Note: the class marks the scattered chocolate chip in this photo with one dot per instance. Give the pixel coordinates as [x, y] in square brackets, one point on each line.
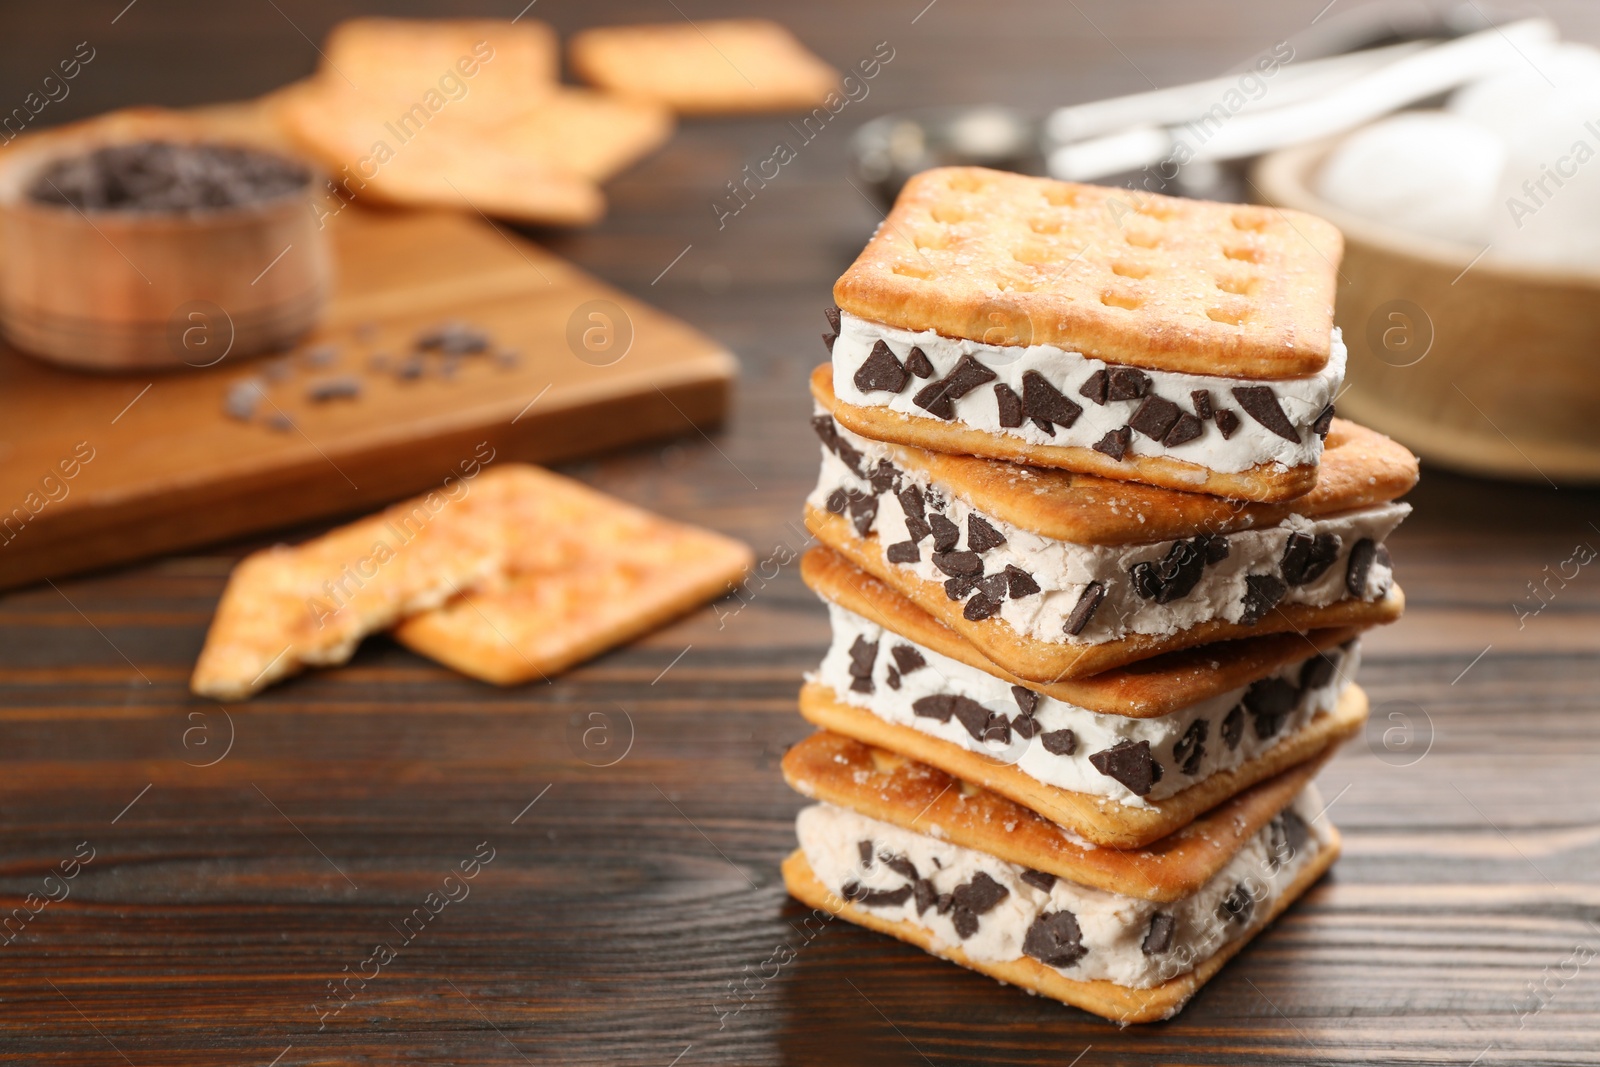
[946, 534]
[1214, 547]
[1019, 583]
[864, 849]
[980, 607]
[938, 398]
[861, 685]
[1233, 727]
[837, 501]
[827, 431]
[883, 476]
[958, 564]
[863, 654]
[1115, 443]
[1158, 938]
[1186, 429]
[958, 588]
[1027, 700]
[1201, 399]
[1155, 417]
[1227, 423]
[1130, 763]
[1088, 601]
[978, 896]
[903, 552]
[976, 718]
[1317, 671]
[1307, 558]
[981, 536]
[942, 903]
[1009, 405]
[1269, 701]
[939, 706]
[1293, 832]
[1054, 939]
[1238, 905]
[911, 505]
[151, 176]
[993, 586]
[925, 894]
[1173, 577]
[1059, 742]
[1262, 593]
[902, 866]
[453, 337]
[881, 372]
[410, 369]
[1323, 422]
[1024, 726]
[1041, 400]
[343, 387]
[917, 363]
[1095, 387]
[1355, 576]
[831, 313]
[827, 341]
[1261, 404]
[876, 898]
[1038, 879]
[863, 510]
[907, 658]
[892, 676]
[241, 399]
[1190, 749]
[1127, 384]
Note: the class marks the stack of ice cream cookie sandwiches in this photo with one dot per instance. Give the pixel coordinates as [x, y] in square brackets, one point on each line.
[1097, 555]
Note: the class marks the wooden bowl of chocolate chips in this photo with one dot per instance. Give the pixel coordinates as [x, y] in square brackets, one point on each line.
[128, 247]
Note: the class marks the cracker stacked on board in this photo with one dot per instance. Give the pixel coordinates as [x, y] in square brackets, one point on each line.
[1097, 556]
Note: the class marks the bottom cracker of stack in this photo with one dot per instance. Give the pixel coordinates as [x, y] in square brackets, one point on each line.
[1131, 935]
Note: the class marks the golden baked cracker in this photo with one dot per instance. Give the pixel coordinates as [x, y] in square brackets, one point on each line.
[1156, 686]
[711, 66]
[1093, 817]
[593, 135]
[1265, 482]
[1359, 468]
[1049, 661]
[475, 64]
[311, 604]
[886, 786]
[460, 165]
[1120, 1004]
[584, 572]
[1125, 276]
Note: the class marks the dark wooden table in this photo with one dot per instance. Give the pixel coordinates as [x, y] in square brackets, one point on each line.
[246, 859]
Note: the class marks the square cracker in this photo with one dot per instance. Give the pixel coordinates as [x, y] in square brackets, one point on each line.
[1120, 1004]
[1051, 661]
[583, 572]
[1159, 685]
[1360, 467]
[1128, 277]
[399, 60]
[712, 66]
[593, 135]
[891, 788]
[1095, 818]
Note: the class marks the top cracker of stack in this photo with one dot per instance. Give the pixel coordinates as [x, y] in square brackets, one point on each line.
[1133, 336]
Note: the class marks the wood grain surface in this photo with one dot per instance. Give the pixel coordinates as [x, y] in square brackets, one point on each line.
[633, 913]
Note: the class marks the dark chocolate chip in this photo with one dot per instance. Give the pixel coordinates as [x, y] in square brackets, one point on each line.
[861, 685]
[1127, 384]
[1046, 426]
[938, 398]
[863, 510]
[903, 552]
[907, 658]
[993, 586]
[827, 430]
[876, 898]
[1027, 700]
[1261, 404]
[892, 676]
[1323, 422]
[1019, 583]
[864, 849]
[827, 341]
[1115, 443]
[1201, 399]
[1214, 547]
[946, 534]
[1041, 400]
[881, 372]
[1269, 702]
[1262, 593]
[1088, 601]
[1317, 671]
[1293, 832]
[1146, 579]
[1060, 742]
[981, 536]
[1227, 423]
[1130, 763]
[1038, 879]
[1174, 576]
[965, 922]
[959, 564]
[1356, 571]
[1054, 939]
[1186, 429]
[831, 313]
[941, 903]
[972, 715]
[980, 895]
[1155, 417]
[925, 894]
[917, 363]
[980, 607]
[939, 706]
[1158, 938]
[1190, 749]
[902, 866]
[838, 500]
[911, 504]
[343, 387]
[1307, 558]
[1024, 726]
[1238, 905]
[1095, 387]
[883, 476]
[958, 588]
[863, 654]
[1233, 727]
[1009, 404]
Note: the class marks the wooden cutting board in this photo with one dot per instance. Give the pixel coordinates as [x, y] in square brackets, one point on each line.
[156, 464]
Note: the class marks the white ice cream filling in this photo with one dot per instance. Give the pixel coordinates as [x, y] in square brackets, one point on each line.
[1059, 743]
[1253, 443]
[996, 911]
[1249, 581]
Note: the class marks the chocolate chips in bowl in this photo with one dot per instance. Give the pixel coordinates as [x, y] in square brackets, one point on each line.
[146, 245]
